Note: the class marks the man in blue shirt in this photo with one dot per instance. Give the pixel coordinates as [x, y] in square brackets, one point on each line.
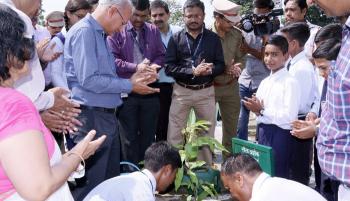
[92, 78]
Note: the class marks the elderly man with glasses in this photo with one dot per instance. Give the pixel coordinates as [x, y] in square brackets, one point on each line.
[92, 79]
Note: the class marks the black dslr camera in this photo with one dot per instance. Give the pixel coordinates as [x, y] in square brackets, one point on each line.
[261, 24]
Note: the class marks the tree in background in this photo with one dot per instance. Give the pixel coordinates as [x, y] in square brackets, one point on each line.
[176, 13]
[314, 15]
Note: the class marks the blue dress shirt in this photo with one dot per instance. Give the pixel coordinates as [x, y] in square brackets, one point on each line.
[89, 65]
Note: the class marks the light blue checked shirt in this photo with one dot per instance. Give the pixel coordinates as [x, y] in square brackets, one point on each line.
[333, 142]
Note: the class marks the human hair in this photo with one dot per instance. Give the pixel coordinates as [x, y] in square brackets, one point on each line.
[329, 31]
[194, 3]
[301, 3]
[15, 48]
[299, 31]
[328, 49]
[160, 154]
[160, 4]
[241, 162]
[278, 41]
[140, 5]
[92, 2]
[73, 6]
[264, 4]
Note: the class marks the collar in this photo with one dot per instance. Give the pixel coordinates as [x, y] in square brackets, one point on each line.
[186, 31]
[277, 75]
[298, 57]
[94, 23]
[347, 23]
[259, 182]
[151, 179]
[130, 27]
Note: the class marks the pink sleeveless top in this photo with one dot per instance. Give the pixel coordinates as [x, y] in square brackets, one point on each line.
[18, 114]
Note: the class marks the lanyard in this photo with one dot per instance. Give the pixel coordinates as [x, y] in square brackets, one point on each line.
[193, 56]
[134, 36]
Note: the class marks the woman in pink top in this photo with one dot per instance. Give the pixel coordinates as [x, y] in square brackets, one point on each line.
[31, 164]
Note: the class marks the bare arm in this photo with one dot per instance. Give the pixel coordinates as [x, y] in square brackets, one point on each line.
[25, 160]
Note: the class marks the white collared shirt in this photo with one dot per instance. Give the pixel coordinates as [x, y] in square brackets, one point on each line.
[280, 94]
[266, 188]
[304, 72]
[135, 186]
[33, 84]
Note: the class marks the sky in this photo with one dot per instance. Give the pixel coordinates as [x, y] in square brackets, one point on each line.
[58, 5]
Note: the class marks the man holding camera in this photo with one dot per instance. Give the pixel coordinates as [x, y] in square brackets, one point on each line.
[226, 85]
[255, 70]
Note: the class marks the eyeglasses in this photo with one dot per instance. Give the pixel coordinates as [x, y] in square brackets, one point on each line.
[123, 21]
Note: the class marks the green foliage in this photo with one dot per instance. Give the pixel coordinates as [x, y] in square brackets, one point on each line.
[189, 153]
[247, 6]
[176, 12]
[316, 16]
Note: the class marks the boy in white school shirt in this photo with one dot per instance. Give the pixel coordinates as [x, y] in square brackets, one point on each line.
[161, 164]
[276, 105]
[304, 72]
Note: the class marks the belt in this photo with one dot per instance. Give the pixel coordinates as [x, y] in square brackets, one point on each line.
[216, 84]
[100, 109]
[195, 87]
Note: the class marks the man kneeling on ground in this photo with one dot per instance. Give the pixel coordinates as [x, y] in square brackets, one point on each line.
[242, 175]
[161, 164]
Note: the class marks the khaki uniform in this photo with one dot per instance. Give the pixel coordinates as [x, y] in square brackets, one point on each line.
[226, 87]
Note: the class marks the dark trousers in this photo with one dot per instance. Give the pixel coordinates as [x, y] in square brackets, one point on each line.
[301, 160]
[317, 168]
[281, 142]
[166, 91]
[329, 188]
[138, 117]
[243, 120]
[104, 164]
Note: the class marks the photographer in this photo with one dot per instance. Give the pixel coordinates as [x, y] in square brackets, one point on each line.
[255, 70]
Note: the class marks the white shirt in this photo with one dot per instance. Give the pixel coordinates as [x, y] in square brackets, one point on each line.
[163, 78]
[33, 84]
[304, 72]
[54, 71]
[280, 94]
[268, 188]
[309, 45]
[41, 33]
[135, 186]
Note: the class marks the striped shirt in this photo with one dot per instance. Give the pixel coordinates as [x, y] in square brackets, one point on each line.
[333, 142]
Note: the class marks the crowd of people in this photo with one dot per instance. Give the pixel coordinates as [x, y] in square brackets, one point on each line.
[120, 82]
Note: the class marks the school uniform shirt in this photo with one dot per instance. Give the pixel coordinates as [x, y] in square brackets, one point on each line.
[276, 189]
[304, 72]
[135, 186]
[280, 94]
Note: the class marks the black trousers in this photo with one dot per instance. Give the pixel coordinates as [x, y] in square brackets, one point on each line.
[104, 164]
[166, 91]
[301, 159]
[281, 142]
[329, 188]
[138, 117]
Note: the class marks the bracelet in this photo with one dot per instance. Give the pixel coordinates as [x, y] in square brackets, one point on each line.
[82, 160]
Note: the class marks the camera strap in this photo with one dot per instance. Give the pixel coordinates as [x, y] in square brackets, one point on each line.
[194, 55]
